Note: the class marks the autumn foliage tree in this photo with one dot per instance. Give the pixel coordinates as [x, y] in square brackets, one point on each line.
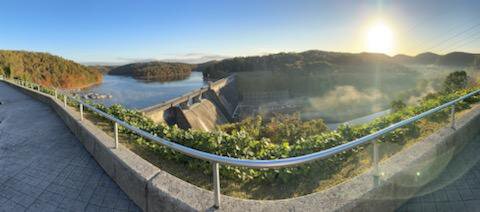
[46, 69]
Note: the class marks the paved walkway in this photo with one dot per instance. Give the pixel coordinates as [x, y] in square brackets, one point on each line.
[456, 189]
[43, 167]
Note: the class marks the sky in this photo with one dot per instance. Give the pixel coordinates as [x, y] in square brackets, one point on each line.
[124, 31]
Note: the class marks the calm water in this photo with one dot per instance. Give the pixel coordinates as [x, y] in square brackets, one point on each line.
[133, 93]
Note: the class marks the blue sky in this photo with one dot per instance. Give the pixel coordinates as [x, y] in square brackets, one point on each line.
[121, 31]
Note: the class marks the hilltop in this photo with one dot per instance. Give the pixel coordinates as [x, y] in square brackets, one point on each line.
[455, 59]
[158, 71]
[316, 61]
[313, 62]
[47, 70]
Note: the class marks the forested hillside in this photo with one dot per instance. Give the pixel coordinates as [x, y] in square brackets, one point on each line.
[104, 69]
[457, 59]
[315, 61]
[46, 69]
[158, 71]
[310, 62]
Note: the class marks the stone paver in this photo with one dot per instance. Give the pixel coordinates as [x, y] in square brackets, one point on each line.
[43, 167]
[457, 188]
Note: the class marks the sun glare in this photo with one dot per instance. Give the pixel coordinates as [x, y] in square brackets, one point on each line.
[379, 39]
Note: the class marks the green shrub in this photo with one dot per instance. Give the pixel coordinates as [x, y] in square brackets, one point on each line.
[455, 81]
[397, 105]
[279, 129]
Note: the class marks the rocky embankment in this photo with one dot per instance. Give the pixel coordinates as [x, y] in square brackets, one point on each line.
[93, 95]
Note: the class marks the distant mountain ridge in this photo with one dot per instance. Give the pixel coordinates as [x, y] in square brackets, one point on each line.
[313, 62]
[46, 69]
[458, 59]
[316, 61]
[155, 70]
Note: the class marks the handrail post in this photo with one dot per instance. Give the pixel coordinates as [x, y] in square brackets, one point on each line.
[65, 101]
[452, 116]
[56, 94]
[81, 112]
[115, 129]
[376, 173]
[216, 185]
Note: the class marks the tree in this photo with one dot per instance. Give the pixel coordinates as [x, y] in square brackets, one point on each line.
[397, 105]
[455, 81]
[5, 71]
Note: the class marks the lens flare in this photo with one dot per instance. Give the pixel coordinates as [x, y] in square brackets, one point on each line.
[380, 39]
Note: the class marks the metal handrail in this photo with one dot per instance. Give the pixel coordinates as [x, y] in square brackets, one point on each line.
[276, 163]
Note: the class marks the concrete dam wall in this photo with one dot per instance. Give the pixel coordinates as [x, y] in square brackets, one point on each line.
[201, 109]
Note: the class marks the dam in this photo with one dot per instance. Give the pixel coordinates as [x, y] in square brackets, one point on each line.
[221, 102]
[201, 109]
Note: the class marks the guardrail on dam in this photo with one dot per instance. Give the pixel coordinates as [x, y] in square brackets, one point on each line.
[203, 108]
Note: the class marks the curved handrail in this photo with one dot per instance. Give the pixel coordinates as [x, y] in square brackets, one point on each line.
[275, 163]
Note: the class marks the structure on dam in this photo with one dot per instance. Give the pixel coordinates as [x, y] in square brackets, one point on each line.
[202, 109]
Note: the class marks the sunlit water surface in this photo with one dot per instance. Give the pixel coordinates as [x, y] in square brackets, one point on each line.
[137, 94]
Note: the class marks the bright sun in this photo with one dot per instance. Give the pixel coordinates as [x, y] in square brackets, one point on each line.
[380, 39]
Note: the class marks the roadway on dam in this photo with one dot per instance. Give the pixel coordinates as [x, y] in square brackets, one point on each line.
[43, 166]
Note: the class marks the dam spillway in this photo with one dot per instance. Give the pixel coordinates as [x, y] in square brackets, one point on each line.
[201, 109]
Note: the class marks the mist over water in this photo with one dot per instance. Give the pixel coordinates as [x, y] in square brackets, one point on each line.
[342, 97]
[345, 102]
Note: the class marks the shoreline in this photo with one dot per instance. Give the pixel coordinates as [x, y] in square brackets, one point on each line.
[85, 86]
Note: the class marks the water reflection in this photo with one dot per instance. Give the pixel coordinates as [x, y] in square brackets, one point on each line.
[137, 94]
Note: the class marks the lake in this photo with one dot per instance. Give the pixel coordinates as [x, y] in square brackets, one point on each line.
[137, 94]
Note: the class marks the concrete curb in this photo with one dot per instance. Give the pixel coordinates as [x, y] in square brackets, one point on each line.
[155, 190]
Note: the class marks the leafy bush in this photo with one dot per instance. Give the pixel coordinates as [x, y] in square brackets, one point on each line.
[279, 129]
[397, 105]
[455, 81]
